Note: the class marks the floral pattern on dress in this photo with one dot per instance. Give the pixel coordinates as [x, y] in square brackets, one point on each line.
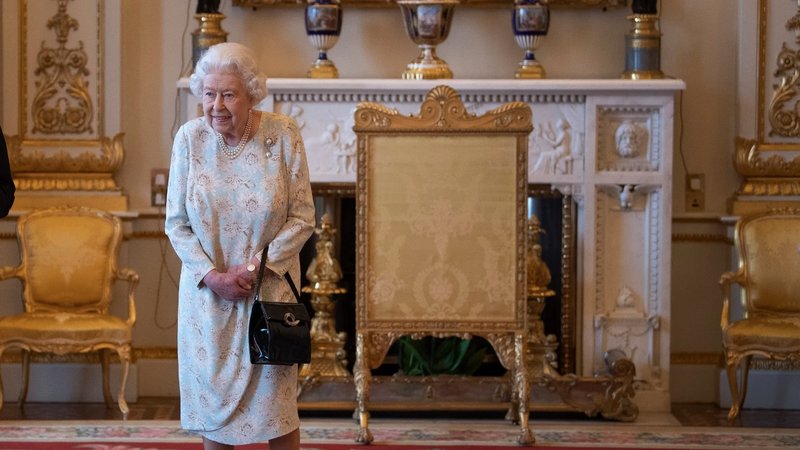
[221, 212]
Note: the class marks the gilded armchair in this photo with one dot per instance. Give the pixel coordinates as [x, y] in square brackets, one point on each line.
[769, 261]
[68, 268]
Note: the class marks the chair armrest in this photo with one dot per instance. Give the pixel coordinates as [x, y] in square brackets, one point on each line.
[132, 278]
[725, 282]
[7, 272]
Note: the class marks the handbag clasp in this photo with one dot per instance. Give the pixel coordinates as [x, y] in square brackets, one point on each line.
[290, 319]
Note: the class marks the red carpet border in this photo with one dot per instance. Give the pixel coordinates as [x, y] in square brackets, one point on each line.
[406, 435]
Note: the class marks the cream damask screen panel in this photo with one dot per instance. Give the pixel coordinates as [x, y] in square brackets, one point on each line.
[443, 210]
[440, 233]
[441, 217]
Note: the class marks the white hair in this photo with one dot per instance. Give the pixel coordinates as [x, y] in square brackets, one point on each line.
[233, 58]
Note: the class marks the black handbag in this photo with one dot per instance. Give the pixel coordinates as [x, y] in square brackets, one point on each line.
[278, 332]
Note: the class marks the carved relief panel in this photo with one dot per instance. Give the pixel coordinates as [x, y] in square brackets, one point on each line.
[61, 143]
[629, 139]
[555, 147]
[767, 149]
[628, 293]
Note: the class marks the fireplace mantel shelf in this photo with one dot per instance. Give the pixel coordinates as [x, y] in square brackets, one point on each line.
[487, 84]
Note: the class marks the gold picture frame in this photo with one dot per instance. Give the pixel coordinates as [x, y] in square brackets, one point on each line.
[441, 233]
[470, 3]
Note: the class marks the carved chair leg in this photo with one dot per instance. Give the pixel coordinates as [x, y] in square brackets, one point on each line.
[361, 375]
[125, 366]
[731, 369]
[26, 367]
[745, 368]
[523, 390]
[512, 414]
[104, 362]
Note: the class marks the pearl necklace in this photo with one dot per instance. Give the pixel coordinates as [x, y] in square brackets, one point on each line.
[232, 153]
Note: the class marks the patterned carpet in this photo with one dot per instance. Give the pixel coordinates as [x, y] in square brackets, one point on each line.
[339, 434]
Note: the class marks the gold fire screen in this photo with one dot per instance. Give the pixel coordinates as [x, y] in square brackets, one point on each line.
[440, 233]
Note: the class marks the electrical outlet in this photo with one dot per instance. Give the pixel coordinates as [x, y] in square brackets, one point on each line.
[158, 187]
[695, 192]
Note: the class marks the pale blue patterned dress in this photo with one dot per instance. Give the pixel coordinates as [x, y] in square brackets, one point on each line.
[221, 212]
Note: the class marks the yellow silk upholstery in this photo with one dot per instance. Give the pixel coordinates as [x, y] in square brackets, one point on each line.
[769, 261]
[68, 268]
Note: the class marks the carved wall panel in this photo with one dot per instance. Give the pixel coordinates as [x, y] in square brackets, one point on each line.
[767, 149]
[629, 139]
[63, 142]
[627, 308]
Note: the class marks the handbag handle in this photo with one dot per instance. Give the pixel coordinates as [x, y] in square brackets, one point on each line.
[286, 275]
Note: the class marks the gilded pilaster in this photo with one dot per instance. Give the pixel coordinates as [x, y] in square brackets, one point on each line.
[60, 153]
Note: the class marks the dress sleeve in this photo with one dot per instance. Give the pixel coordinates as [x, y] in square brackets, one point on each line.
[299, 225]
[178, 226]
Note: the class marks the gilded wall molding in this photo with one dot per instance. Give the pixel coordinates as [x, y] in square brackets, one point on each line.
[71, 156]
[762, 61]
[718, 359]
[783, 113]
[67, 74]
[754, 159]
[698, 359]
[62, 102]
[771, 168]
[61, 152]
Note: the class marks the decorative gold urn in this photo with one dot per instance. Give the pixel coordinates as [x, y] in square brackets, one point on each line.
[427, 24]
[643, 48]
[210, 33]
[327, 346]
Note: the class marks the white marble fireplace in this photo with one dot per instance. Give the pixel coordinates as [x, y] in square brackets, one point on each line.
[607, 144]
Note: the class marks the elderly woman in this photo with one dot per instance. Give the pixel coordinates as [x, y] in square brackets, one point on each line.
[238, 180]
